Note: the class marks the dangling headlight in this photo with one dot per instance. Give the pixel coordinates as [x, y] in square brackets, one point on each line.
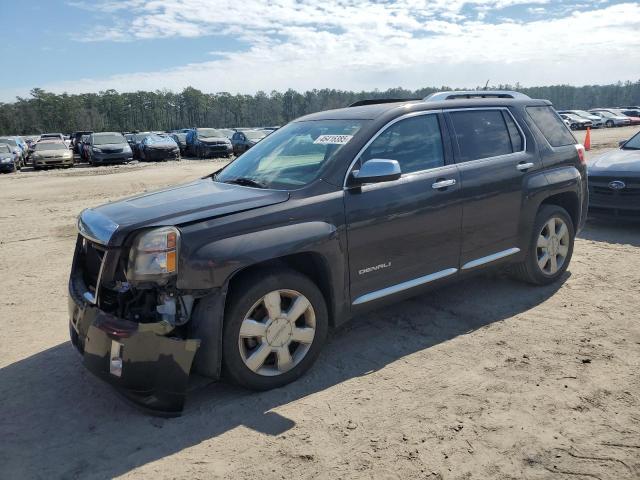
[154, 255]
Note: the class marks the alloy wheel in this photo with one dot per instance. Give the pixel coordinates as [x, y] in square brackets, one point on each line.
[277, 332]
[553, 245]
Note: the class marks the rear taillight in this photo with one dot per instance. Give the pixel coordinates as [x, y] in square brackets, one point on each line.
[581, 157]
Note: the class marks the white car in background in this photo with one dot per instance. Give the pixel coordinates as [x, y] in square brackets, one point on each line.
[611, 119]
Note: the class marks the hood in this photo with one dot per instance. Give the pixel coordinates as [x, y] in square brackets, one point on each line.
[196, 201]
[622, 163]
[111, 146]
[163, 145]
[213, 139]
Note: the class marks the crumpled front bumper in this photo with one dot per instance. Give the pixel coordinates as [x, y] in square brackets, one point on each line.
[149, 369]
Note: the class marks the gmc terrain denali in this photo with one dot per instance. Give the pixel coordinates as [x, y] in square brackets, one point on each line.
[243, 272]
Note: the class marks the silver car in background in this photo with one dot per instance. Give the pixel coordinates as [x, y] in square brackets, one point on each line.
[596, 121]
[610, 118]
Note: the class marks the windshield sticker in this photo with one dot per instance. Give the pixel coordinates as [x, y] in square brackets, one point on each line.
[333, 139]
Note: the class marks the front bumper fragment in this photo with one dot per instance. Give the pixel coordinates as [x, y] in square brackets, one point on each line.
[148, 369]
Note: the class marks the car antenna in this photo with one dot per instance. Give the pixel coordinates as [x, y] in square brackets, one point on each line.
[486, 85]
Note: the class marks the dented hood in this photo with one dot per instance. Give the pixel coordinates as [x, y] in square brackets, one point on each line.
[200, 200]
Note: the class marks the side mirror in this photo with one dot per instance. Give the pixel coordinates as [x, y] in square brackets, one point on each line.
[621, 143]
[376, 170]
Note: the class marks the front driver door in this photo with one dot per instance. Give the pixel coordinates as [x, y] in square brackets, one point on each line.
[406, 232]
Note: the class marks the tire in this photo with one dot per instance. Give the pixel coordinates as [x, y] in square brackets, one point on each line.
[530, 270]
[609, 123]
[573, 126]
[274, 333]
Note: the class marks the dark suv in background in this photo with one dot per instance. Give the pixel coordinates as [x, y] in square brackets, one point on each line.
[108, 147]
[339, 212]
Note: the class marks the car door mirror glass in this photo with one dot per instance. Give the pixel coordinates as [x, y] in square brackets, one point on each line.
[376, 170]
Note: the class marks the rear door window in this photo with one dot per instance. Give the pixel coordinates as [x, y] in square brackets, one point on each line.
[481, 134]
[551, 126]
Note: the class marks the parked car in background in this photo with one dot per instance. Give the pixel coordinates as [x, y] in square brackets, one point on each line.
[17, 148]
[596, 121]
[244, 140]
[9, 160]
[576, 122]
[614, 182]
[181, 139]
[137, 142]
[208, 142]
[108, 147]
[52, 136]
[335, 214]
[76, 139]
[159, 147]
[631, 112]
[611, 119]
[228, 132]
[634, 120]
[52, 153]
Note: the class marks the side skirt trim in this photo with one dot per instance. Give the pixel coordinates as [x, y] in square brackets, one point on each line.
[490, 258]
[404, 286]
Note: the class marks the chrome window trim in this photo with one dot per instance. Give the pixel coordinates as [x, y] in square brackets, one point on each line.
[490, 258]
[506, 109]
[381, 130]
[399, 287]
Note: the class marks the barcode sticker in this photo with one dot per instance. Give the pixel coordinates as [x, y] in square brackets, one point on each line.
[333, 139]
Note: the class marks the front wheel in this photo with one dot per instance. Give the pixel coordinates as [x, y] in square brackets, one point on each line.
[609, 123]
[274, 329]
[550, 247]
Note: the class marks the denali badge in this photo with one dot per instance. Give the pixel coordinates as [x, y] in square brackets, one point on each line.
[617, 185]
[373, 269]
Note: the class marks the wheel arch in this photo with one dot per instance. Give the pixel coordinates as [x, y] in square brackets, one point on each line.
[311, 264]
[567, 200]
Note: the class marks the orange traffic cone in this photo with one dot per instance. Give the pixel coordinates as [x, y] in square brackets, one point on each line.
[587, 140]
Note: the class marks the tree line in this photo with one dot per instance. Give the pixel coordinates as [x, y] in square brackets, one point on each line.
[110, 110]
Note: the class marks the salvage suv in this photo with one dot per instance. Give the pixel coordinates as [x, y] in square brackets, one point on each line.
[244, 271]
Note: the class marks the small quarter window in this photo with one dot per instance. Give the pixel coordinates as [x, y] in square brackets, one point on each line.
[415, 142]
[480, 134]
[551, 126]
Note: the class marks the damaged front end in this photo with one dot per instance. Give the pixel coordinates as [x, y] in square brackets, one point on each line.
[128, 319]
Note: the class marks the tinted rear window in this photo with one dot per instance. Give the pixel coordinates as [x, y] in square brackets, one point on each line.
[551, 126]
[481, 134]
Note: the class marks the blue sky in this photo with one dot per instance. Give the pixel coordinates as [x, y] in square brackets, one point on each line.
[242, 47]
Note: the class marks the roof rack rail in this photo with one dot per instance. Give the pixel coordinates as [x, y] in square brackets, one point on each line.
[375, 101]
[459, 94]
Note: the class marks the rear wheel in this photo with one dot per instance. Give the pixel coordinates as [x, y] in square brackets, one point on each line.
[550, 247]
[274, 329]
[609, 123]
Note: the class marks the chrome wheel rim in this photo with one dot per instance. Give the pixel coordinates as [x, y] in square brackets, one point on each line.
[553, 246]
[277, 332]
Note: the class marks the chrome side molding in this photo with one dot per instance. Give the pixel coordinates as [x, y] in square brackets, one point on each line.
[490, 258]
[404, 286]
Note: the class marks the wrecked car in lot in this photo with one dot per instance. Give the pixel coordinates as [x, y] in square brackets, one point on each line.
[245, 270]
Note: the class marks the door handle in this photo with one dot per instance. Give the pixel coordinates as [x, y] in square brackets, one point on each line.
[443, 184]
[524, 166]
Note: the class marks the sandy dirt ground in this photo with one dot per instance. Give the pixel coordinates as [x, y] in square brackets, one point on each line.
[487, 379]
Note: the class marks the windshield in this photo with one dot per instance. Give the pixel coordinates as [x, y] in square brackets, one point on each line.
[140, 136]
[51, 146]
[293, 156]
[254, 135]
[4, 148]
[104, 139]
[582, 113]
[209, 132]
[633, 143]
[9, 141]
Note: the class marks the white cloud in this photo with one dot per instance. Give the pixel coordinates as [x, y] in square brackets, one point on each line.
[359, 45]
